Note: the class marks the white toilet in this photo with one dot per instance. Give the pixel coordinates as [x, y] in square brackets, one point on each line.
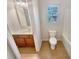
[52, 39]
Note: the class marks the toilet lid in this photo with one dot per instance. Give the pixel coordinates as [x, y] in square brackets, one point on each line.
[53, 40]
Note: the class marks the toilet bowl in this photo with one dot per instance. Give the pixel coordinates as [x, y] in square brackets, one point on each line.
[52, 39]
[53, 42]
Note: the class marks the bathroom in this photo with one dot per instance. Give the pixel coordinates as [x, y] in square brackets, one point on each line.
[29, 27]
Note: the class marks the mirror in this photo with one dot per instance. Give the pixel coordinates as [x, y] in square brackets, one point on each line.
[19, 20]
[23, 14]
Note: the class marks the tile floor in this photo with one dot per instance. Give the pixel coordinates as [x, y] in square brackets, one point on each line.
[45, 52]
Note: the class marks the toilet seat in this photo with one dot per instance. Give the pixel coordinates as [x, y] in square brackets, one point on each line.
[53, 40]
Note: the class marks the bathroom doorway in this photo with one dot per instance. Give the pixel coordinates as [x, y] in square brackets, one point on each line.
[20, 26]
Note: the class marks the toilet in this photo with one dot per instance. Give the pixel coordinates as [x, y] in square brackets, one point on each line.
[52, 39]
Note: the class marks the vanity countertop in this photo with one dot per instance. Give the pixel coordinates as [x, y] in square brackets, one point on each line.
[23, 32]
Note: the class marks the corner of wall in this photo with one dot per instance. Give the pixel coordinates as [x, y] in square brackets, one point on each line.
[67, 44]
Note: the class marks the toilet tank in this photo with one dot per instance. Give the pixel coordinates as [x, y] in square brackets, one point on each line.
[52, 33]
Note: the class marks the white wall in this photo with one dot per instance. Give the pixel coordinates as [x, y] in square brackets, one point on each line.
[12, 19]
[37, 25]
[43, 10]
[67, 32]
[67, 25]
[10, 54]
[12, 44]
[35, 22]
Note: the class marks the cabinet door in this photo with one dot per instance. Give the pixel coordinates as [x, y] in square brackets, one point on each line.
[20, 41]
[30, 41]
[24, 40]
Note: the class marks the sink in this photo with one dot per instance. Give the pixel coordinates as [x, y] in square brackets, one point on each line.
[23, 31]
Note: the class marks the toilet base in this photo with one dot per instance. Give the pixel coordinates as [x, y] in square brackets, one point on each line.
[52, 47]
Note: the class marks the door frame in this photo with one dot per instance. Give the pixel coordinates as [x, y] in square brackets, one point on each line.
[12, 44]
[36, 32]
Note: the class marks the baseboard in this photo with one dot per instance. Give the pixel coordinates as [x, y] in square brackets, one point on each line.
[45, 39]
[67, 44]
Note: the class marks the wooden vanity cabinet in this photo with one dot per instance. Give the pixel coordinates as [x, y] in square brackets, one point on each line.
[24, 40]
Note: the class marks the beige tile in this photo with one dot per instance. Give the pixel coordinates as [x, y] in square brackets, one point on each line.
[45, 52]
